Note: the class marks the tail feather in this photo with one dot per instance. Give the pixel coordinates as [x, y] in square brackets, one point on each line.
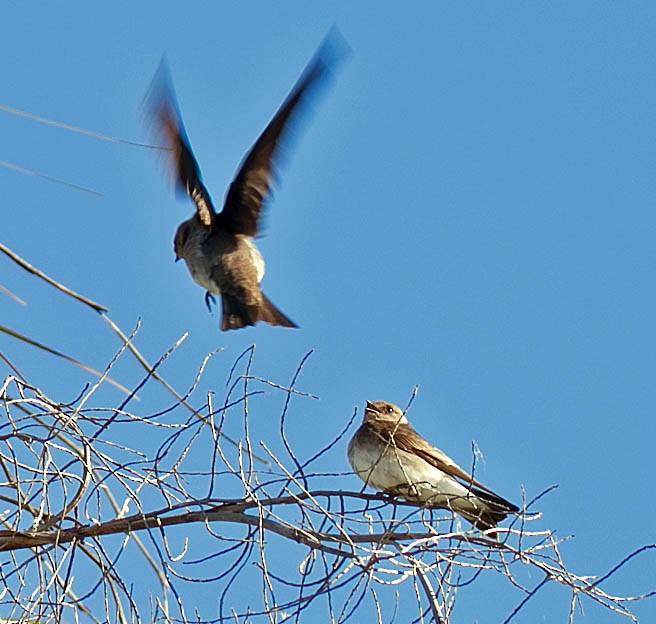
[270, 314]
[238, 314]
[495, 502]
[483, 518]
[484, 510]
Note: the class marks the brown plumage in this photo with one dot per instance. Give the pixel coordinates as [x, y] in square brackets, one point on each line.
[218, 248]
[388, 454]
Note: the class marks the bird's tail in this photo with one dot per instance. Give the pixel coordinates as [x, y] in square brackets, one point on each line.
[270, 314]
[484, 510]
[237, 314]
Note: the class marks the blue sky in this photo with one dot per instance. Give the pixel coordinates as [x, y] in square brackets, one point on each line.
[469, 208]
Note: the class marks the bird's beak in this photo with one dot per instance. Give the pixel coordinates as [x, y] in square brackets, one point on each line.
[370, 407]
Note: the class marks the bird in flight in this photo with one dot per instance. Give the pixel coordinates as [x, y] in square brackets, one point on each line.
[390, 456]
[218, 248]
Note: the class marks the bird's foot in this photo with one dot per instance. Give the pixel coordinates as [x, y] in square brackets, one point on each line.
[209, 300]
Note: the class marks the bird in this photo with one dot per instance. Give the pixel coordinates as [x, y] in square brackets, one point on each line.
[390, 456]
[218, 248]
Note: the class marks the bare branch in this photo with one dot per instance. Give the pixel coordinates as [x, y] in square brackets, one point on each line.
[99, 499]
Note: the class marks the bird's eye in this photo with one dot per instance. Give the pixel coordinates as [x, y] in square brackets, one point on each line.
[390, 410]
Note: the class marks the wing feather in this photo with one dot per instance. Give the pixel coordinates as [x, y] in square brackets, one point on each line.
[405, 438]
[163, 108]
[251, 187]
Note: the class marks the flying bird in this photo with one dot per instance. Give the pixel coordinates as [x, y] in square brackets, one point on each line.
[390, 456]
[218, 248]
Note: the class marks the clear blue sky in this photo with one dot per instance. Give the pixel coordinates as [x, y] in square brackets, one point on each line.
[471, 208]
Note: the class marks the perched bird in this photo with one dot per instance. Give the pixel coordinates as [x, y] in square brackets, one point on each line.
[218, 248]
[389, 455]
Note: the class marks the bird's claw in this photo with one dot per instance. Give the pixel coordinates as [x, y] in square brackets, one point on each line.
[209, 300]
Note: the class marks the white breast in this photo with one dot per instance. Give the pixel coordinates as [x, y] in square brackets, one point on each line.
[402, 473]
[208, 253]
[199, 265]
[256, 256]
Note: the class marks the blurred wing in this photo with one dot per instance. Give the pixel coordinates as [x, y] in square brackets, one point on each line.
[252, 186]
[163, 109]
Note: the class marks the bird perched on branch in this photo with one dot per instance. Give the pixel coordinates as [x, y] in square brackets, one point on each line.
[218, 248]
[389, 455]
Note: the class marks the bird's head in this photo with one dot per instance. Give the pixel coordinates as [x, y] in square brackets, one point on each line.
[382, 410]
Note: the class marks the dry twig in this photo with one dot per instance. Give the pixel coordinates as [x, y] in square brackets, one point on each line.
[76, 504]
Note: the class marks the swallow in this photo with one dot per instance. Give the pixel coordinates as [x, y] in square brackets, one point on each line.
[390, 456]
[218, 248]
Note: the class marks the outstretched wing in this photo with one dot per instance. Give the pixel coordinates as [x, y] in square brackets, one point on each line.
[163, 108]
[252, 185]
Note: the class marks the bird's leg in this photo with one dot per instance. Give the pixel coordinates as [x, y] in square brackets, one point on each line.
[209, 300]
